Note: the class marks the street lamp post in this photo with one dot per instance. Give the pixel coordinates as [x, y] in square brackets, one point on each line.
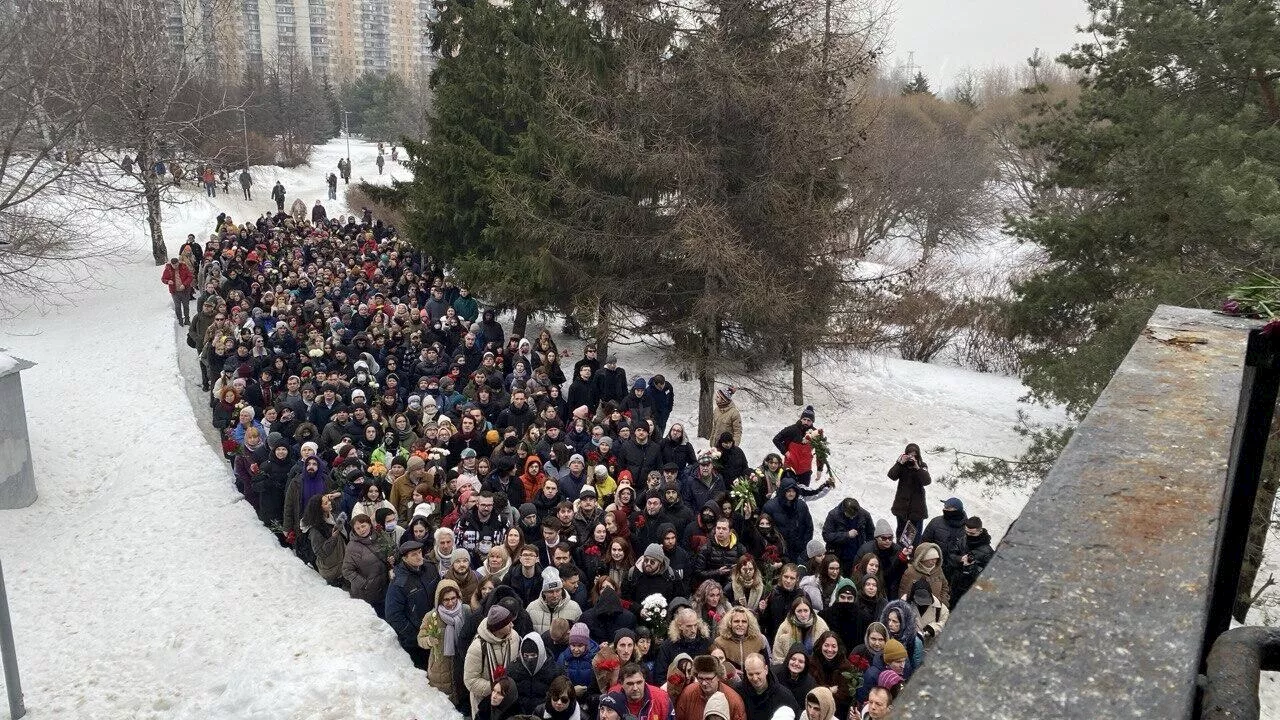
[9, 657]
[346, 130]
[244, 118]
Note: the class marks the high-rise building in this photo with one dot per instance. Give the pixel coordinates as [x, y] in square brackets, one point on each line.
[337, 38]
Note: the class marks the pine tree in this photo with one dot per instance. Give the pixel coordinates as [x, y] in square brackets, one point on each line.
[1163, 184]
[919, 85]
[701, 202]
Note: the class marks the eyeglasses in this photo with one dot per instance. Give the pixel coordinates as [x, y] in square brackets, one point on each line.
[562, 700]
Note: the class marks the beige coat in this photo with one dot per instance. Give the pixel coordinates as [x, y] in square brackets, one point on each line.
[486, 653]
[787, 636]
[726, 419]
[936, 579]
[439, 665]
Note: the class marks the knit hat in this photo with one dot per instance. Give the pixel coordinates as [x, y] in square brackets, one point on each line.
[623, 632]
[500, 617]
[576, 458]
[883, 528]
[615, 701]
[528, 509]
[705, 456]
[582, 411]
[953, 503]
[459, 554]
[727, 392]
[815, 548]
[468, 453]
[638, 384]
[894, 651]
[601, 471]
[579, 635]
[808, 413]
[551, 579]
[654, 550]
[588, 491]
[275, 440]
[888, 678]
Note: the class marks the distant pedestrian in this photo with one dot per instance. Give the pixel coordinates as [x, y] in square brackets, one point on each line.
[333, 186]
[319, 214]
[246, 182]
[210, 181]
[395, 154]
[381, 161]
[277, 194]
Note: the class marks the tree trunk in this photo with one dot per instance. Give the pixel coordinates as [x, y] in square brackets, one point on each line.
[603, 327]
[151, 189]
[706, 395]
[797, 374]
[521, 323]
[1262, 508]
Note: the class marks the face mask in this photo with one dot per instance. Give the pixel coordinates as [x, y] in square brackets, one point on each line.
[391, 525]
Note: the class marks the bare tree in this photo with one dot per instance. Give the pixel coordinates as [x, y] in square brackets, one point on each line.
[44, 252]
[150, 101]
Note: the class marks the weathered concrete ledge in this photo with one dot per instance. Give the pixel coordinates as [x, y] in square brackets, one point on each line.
[1096, 602]
[17, 476]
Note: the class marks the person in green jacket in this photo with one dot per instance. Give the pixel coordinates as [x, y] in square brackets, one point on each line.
[466, 306]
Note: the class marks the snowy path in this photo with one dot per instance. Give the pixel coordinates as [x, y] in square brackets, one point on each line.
[141, 585]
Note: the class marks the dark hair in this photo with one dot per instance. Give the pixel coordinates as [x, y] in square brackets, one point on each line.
[381, 514]
[630, 669]
[313, 516]
[561, 686]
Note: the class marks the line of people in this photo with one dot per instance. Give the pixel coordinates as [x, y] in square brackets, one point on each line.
[512, 516]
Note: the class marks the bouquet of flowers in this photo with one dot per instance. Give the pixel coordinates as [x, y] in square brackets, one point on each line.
[653, 613]
[853, 676]
[743, 495]
[438, 455]
[433, 626]
[821, 451]
[377, 469]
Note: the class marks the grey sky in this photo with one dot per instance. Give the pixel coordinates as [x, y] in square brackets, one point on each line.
[949, 35]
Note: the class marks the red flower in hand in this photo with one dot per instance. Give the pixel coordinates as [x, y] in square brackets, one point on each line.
[675, 679]
[499, 672]
[626, 604]
[859, 662]
[715, 616]
[640, 522]
[593, 551]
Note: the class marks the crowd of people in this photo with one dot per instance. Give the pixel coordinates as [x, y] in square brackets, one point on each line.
[541, 536]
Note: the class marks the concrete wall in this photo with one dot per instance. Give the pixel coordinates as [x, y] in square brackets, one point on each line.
[17, 479]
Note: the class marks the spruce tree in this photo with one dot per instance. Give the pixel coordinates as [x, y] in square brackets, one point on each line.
[1164, 183]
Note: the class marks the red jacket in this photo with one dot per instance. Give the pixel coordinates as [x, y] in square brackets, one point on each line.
[184, 277]
[656, 705]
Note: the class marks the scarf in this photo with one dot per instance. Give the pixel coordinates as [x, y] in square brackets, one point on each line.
[452, 619]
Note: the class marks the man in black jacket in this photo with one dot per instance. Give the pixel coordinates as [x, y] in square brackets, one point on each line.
[611, 381]
[846, 528]
[761, 693]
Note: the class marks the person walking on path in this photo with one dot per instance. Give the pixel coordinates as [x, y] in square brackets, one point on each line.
[179, 279]
[246, 182]
[277, 194]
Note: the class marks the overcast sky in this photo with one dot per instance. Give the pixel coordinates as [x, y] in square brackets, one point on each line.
[949, 35]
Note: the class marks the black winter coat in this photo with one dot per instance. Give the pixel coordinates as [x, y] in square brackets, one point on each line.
[765, 704]
[639, 459]
[909, 499]
[835, 532]
[607, 617]
[610, 384]
[270, 484]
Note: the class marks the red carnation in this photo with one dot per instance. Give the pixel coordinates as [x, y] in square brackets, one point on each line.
[859, 662]
[675, 679]
[499, 672]
[593, 551]
[608, 664]
[626, 604]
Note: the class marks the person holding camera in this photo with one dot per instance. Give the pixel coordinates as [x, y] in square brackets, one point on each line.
[912, 475]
